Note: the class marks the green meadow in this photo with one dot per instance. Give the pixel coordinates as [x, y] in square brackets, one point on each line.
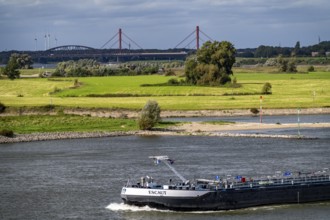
[298, 90]
[64, 123]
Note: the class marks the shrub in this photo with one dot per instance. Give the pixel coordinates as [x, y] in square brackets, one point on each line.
[271, 62]
[267, 88]
[149, 116]
[169, 72]
[173, 82]
[224, 79]
[254, 111]
[311, 69]
[7, 133]
[292, 67]
[2, 107]
[234, 81]
[48, 107]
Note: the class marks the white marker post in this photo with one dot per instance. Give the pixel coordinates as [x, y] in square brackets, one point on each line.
[298, 122]
[260, 109]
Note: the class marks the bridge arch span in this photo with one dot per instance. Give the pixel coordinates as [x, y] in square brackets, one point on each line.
[70, 48]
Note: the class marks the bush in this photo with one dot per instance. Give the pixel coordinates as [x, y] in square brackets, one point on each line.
[173, 82]
[292, 67]
[169, 72]
[254, 111]
[271, 62]
[311, 69]
[267, 88]
[149, 116]
[2, 107]
[7, 133]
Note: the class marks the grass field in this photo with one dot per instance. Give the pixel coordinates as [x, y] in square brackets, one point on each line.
[289, 91]
[62, 123]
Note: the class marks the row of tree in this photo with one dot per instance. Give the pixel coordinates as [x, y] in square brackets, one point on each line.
[284, 65]
[89, 67]
[297, 50]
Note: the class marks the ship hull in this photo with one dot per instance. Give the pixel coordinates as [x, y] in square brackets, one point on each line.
[226, 199]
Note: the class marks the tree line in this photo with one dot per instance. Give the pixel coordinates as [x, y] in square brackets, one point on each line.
[297, 50]
[90, 67]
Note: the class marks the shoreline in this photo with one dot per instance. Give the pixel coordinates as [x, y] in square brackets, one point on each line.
[124, 113]
[187, 129]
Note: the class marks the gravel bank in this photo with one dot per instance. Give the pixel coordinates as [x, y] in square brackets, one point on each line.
[194, 129]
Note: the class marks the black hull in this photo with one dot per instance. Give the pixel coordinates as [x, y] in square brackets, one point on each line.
[237, 198]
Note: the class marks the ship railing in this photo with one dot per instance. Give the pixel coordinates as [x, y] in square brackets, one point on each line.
[262, 182]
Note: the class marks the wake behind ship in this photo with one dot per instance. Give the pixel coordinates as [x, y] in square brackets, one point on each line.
[227, 193]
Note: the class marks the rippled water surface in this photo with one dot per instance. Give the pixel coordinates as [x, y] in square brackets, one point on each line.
[82, 179]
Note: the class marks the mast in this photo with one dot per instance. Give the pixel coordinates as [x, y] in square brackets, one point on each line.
[167, 161]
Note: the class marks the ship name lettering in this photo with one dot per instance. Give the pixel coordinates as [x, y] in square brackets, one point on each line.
[157, 192]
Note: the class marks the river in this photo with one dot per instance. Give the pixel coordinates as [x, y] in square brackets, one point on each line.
[82, 178]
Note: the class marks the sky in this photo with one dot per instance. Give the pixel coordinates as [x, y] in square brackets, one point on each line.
[161, 24]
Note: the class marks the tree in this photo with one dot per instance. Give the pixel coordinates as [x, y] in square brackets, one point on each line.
[267, 88]
[11, 69]
[286, 65]
[292, 67]
[282, 64]
[212, 64]
[192, 76]
[149, 116]
[296, 50]
[24, 61]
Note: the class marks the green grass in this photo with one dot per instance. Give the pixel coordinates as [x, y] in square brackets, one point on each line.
[289, 91]
[63, 123]
[36, 71]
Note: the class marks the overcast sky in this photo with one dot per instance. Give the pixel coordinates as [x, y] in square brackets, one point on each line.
[162, 24]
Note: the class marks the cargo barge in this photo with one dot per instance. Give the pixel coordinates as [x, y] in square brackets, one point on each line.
[227, 193]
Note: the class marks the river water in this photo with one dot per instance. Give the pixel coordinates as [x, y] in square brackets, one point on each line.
[82, 178]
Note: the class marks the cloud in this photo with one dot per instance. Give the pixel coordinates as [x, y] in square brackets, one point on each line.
[159, 23]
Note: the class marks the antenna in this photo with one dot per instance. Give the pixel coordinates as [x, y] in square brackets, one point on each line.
[167, 161]
[36, 42]
[45, 41]
[48, 41]
[55, 41]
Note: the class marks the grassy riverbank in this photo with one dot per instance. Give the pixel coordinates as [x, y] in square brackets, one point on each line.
[64, 123]
[300, 90]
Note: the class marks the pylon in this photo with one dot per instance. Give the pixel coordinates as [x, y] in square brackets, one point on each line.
[120, 39]
[197, 37]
